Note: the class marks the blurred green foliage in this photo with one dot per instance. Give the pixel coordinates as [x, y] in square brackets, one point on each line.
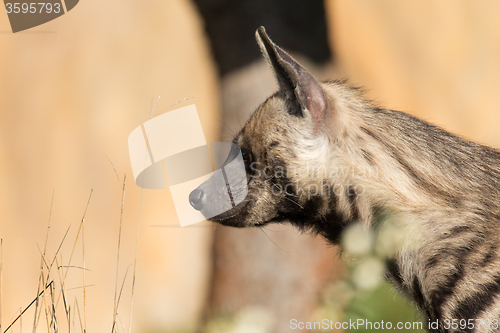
[342, 302]
[383, 304]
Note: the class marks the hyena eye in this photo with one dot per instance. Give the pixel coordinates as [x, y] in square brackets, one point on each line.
[246, 156]
[249, 160]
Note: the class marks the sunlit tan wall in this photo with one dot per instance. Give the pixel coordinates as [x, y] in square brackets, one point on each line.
[71, 91]
[439, 60]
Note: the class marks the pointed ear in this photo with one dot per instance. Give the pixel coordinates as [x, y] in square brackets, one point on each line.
[294, 80]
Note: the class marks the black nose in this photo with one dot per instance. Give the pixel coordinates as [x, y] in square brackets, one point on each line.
[197, 199]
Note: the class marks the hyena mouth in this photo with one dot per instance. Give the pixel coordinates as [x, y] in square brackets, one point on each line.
[232, 217]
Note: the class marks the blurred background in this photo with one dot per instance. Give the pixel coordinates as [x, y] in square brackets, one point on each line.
[73, 89]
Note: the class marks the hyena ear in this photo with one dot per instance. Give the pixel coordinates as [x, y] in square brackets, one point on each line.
[294, 80]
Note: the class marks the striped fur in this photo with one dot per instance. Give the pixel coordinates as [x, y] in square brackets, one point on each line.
[443, 192]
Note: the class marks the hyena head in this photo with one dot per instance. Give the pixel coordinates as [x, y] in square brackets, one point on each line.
[291, 150]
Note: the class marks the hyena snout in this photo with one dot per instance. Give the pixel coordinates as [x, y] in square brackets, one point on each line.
[217, 195]
[224, 193]
[197, 199]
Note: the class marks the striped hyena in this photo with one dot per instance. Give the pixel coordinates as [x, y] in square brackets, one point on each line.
[442, 192]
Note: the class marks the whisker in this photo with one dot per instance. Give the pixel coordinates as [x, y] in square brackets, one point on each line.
[294, 202]
[274, 242]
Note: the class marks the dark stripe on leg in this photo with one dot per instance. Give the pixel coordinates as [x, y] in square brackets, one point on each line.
[417, 293]
[473, 306]
[393, 273]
